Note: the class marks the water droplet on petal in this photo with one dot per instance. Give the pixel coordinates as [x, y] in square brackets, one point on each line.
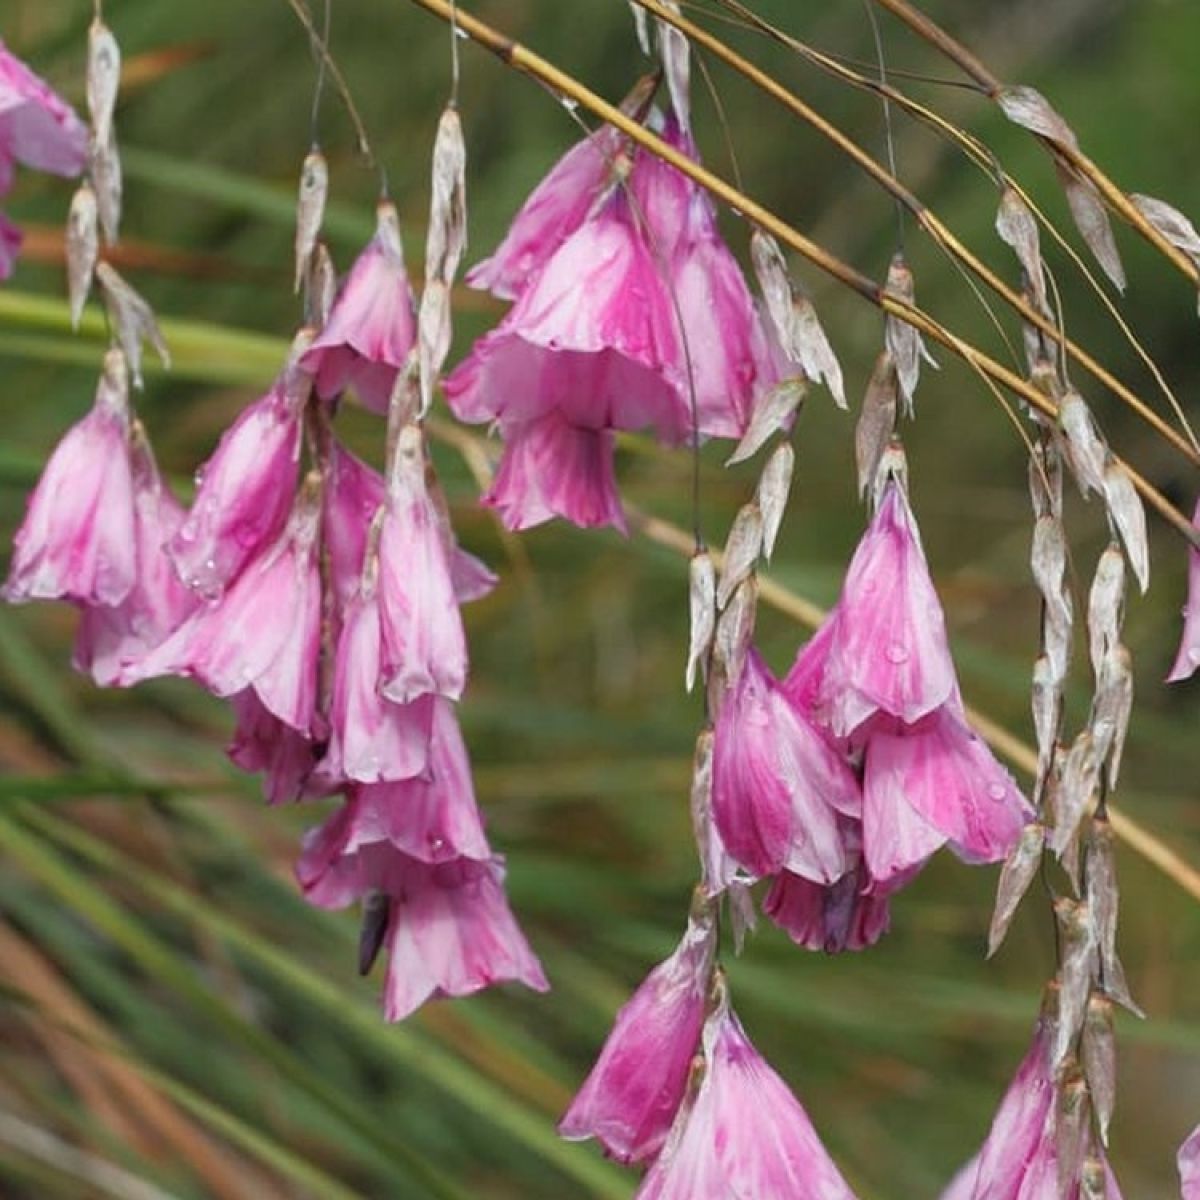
[996, 791]
[896, 653]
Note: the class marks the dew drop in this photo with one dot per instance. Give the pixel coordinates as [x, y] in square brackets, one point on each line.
[896, 654]
[996, 791]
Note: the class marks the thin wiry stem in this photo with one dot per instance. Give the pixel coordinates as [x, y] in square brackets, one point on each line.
[925, 217]
[524, 60]
[1115, 197]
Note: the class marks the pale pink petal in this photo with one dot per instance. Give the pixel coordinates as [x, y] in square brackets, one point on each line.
[424, 647]
[945, 773]
[1189, 1166]
[630, 1098]
[372, 327]
[264, 632]
[38, 127]
[746, 1135]
[554, 210]
[354, 493]
[262, 743]
[451, 933]
[888, 650]
[372, 739]
[553, 469]
[962, 1186]
[112, 639]
[594, 336]
[78, 540]
[10, 245]
[777, 785]
[472, 578]
[245, 493]
[1188, 658]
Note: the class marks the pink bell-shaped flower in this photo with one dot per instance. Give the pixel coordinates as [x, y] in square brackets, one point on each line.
[372, 739]
[424, 646]
[887, 652]
[245, 491]
[372, 327]
[1189, 1166]
[630, 1098]
[79, 540]
[450, 931]
[594, 336]
[1019, 1158]
[552, 469]
[112, 639]
[778, 787]
[286, 757]
[744, 1134]
[264, 631]
[555, 209]
[843, 915]
[38, 127]
[1188, 658]
[932, 783]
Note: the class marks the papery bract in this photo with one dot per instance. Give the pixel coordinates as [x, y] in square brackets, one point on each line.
[778, 787]
[245, 492]
[372, 739]
[38, 127]
[371, 329]
[424, 648]
[551, 468]
[111, 639]
[1188, 658]
[745, 1135]
[940, 773]
[630, 1097]
[887, 652]
[78, 540]
[264, 631]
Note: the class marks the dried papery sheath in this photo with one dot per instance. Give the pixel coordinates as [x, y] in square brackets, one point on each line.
[103, 77]
[1099, 1056]
[1018, 229]
[641, 26]
[676, 59]
[1111, 710]
[770, 269]
[1019, 871]
[1048, 559]
[1106, 603]
[774, 485]
[903, 342]
[718, 870]
[1045, 480]
[1072, 1125]
[1087, 454]
[773, 412]
[813, 347]
[1076, 972]
[735, 630]
[1171, 223]
[83, 248]
[1080, 775]
[444, 246]
[1047, 702]
[702, 607]
[1128, 515]
[742, 549]
[133, 319]
[1188, 657]
[104, 167]
[876, 421]
[320, 286]
[1103, 902]
[310, 210]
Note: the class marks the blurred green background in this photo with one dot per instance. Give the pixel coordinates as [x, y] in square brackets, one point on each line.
[169, 1005]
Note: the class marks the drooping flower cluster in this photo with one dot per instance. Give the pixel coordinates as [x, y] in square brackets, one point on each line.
[38, 129]
[629, 313]
[320, 598]
[842, 779]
